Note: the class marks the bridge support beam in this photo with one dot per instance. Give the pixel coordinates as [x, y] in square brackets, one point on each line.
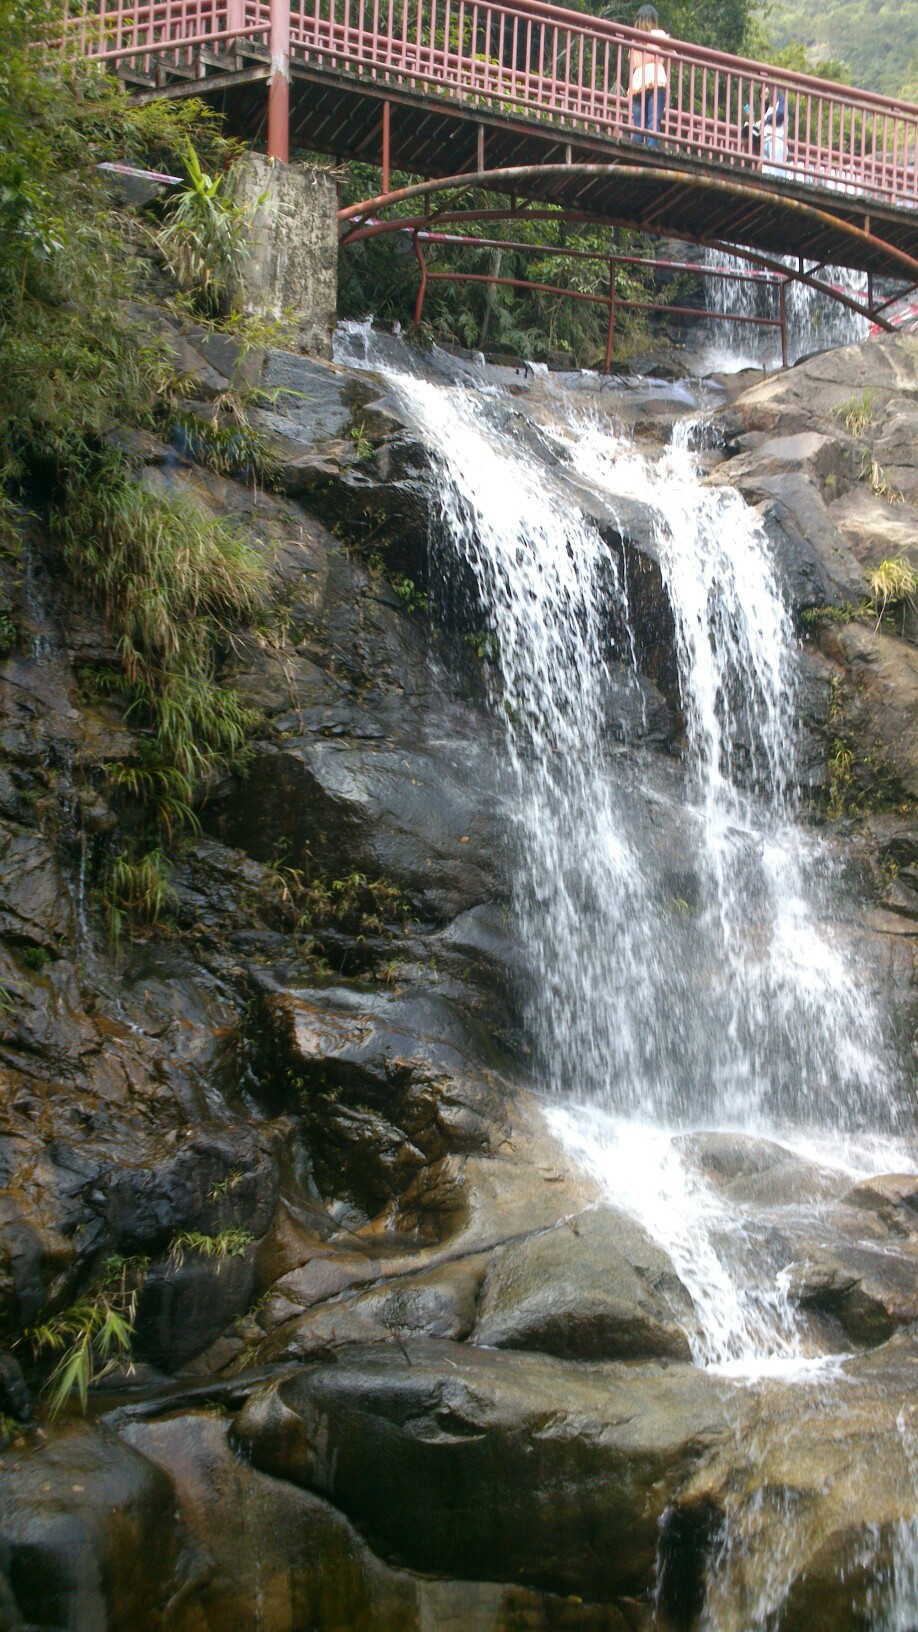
[279, 83]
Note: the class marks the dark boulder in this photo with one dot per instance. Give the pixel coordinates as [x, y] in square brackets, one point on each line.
[593, 1288]
[87, 1527]
[508, 1467]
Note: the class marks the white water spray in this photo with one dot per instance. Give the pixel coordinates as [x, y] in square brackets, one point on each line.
[815, 322]
[685, 966]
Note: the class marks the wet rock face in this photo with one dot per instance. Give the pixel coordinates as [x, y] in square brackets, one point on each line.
[87, 1532]
[456, 1460]
[593, 1288]
[456, 1392]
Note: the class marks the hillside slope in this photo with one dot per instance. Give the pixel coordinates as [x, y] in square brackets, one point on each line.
[879, 43]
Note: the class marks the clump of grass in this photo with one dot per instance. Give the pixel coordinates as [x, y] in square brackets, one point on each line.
[841, 777]
[228, 444]
[857, 412]
[205, 238]
[355, 903]
[892, 584]
[225, 1186]
[228, 1244]
[138, 891]
[874, 475]
[171, 576]
[172, 582]
[164, 790]
[92, 1336]
[362, 444]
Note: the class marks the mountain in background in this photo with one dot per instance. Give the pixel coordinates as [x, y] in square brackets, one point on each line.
[878, 43]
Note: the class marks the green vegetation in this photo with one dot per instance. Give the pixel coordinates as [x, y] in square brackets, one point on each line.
[892, 584]
[92, 1336]
[362, 444]
[9, 1430]
[526, 323]
[857, 414]
[723, 24]
[227, 1185]
[205, 239]
[355, 904]
[817, 616]
[840, 778]
[137, 892]
[228, 1244]
[412, 598]
[33, 957]
[874, 475]
[876, 44]
[74, 365]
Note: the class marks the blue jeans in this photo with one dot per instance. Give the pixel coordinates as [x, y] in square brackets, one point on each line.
[647, 111]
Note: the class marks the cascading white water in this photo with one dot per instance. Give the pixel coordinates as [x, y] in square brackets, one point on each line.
[814, 321]
[685, 972]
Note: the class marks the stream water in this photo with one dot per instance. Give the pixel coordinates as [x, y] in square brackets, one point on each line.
[814, 321]
[692, 962]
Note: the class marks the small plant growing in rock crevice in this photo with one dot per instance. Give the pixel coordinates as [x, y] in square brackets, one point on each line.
[228, 1244]
[840, 778]
[138, 892]
[857, 413]
[873, 474]
[412, 598]
[92, 1336]
[892, 584]
[205, 239]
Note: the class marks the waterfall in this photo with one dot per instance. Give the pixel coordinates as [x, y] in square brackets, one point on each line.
[815, 322]
[687, 964]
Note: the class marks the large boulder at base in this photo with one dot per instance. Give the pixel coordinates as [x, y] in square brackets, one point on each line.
[185, 1304]
[268, 1557]
[466, 1462]
[87, 1533]
[593, 1288]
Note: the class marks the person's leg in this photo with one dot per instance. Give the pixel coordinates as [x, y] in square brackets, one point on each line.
[654, 112]
[638, 119]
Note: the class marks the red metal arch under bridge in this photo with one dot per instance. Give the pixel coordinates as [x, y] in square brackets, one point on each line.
[531, 99]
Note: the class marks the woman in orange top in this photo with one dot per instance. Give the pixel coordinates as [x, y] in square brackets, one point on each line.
[648, 79]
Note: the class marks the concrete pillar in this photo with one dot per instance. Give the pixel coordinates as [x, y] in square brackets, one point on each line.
[292, 266]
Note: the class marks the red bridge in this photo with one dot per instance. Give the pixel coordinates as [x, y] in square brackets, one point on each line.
[531, 100]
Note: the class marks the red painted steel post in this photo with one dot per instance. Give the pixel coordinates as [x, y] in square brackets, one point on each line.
[610, 332]
[235, 18]
[782, 300]
[386, 143]
[422, 290]
[279, 84]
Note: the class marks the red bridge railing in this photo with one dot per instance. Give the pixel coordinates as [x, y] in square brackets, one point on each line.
[536, 61]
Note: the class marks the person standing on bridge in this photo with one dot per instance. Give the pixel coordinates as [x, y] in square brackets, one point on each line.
[774, 146]
[649, 79]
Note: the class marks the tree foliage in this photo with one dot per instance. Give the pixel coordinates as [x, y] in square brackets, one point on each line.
[77, 365]
[379, 276]
[876, 44]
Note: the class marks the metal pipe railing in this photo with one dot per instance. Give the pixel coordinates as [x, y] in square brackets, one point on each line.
[538, 61]
[612, 300]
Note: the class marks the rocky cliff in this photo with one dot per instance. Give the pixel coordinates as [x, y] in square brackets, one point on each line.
[393, 1365]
